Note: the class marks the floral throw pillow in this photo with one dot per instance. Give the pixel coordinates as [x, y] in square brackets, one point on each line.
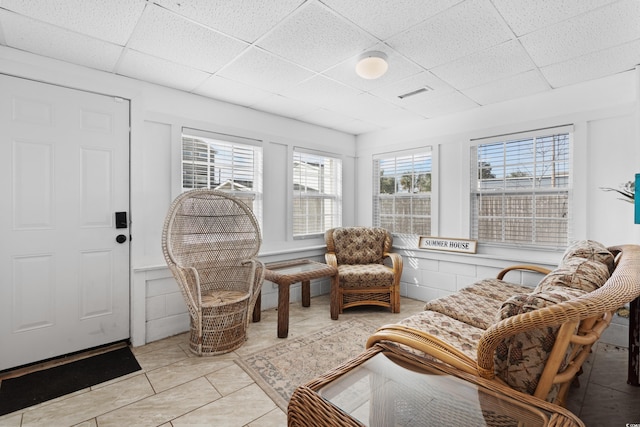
[521, 358]
[590, 250]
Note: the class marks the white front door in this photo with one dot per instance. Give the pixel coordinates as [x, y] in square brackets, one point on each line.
[64, 172]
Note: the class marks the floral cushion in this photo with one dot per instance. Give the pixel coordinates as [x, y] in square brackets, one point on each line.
[577, 273]
[521, 358]
[496, 289]
[460, 335]
[365, 276]
[473, 309]
[360, 245]
[590, 250]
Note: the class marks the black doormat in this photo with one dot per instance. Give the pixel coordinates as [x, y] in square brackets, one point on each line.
[37, 387]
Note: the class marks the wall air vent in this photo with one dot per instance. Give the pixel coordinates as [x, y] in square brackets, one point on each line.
[416, 92]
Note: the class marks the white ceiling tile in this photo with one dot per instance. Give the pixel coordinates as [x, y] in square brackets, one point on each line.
[246, 21]
[324, 117]
[370, 108]
[384, 18]
[230, 91]
[399, 68]
[112, 20]
[439, 105]
[357, 127]
[457, 32]
[485, 66]
[166, 35]
[512, 87]
[525, 16]
[472, 45]
[283, 106]
[594, 65]
[261, 69]
[602, 28]
[321, 91]
[392, 92]
[156, 70]
[316, 38]
[48, 40]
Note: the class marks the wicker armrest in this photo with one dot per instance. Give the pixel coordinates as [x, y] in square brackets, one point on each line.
[396, 262]
[426, 343]
[331, 259]
[191, 289]
[525, 267]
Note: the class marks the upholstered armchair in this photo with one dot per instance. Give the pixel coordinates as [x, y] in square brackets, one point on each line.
[363, 278]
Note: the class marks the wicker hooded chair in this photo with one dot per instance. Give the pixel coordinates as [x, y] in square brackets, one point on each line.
[210, 241]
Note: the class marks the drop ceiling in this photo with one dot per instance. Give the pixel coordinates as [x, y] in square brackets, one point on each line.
[296, 58]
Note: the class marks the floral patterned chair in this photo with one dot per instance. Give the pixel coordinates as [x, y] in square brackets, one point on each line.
[363, 278]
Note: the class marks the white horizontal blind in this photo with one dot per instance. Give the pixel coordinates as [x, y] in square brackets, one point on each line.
[317, 193]
[402, 192]
[520, 190]
[219, 162]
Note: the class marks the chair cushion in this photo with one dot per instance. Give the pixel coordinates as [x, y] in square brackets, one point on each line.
[577, 273]
[590, 250]
[460, 335]
[365, 275]
[521, 358]
[496, 289]
[473, 309]
[359, 245]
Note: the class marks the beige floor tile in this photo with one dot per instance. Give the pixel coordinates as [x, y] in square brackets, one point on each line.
[11, 420]
[275, 418]
[187, 370]
[89, 423]
[235, 410]
[163, 407]
[229, 380]
[162, 357]
[85, 406]
[163, 343]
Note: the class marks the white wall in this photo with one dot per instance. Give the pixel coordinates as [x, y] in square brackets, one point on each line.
[606, 120]
[157, 117]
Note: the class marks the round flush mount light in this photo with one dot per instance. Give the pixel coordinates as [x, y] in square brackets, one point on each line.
[372, 65]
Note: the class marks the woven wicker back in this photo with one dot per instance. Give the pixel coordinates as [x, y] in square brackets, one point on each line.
[207, 228]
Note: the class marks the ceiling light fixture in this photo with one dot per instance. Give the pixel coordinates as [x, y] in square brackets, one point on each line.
[372, 65]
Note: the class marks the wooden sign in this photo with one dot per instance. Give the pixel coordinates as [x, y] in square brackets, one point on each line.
[446, 244]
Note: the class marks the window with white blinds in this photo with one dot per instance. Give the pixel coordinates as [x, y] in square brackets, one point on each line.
[317, 193]
[520, 189]
[223, 162]
[402, 192]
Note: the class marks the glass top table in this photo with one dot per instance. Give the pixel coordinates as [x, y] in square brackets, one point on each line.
[383, 390]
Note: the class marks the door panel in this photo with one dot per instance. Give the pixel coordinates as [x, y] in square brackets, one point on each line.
[64, 171]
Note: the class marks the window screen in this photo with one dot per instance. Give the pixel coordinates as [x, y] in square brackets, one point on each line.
[223, 162]
[402, 192]
[520, 190]
[317, 193]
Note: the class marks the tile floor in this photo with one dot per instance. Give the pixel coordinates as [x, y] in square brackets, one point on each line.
[176, 388]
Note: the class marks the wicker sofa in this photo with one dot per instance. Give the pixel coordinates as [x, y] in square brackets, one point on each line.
[533, 340]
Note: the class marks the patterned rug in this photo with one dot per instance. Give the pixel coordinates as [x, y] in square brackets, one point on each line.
[278, 370]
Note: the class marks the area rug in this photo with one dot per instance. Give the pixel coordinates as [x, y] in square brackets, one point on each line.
[37, 387]
[278, 370]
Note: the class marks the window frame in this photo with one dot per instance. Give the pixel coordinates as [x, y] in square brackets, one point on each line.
[377, 220]
[236, 144]
[334, 195]
[562, 193]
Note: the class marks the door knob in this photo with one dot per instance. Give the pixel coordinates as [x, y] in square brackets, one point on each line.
[121, 238]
